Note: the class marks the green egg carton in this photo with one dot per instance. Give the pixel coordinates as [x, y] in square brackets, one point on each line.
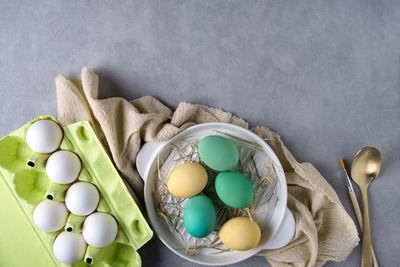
[24, 184]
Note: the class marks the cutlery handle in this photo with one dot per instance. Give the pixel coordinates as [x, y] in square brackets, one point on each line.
[357, 211]
[374, 257]
[366, 260]
[356, 208]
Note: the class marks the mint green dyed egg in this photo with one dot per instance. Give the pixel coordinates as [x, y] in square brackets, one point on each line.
[218, 153]
[199, 216]
[234, 189]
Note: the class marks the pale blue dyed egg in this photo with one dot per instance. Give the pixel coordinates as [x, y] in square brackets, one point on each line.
[218, 152]
[199, 216]
[234, 189]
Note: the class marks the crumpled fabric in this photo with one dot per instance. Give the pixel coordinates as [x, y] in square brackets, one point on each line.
[324, 230]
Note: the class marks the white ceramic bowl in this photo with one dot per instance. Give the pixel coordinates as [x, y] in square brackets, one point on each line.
[281, 221]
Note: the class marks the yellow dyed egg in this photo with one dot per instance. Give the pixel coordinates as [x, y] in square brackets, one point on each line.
[240, 233]
[187, 180]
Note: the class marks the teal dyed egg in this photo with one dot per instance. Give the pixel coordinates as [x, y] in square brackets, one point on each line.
[218, 153]
[199, 216]
[234, 189]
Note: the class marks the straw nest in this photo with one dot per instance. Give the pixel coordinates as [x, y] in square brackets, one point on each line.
[253, 163]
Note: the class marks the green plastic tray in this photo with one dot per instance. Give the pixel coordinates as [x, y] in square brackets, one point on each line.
[22, 187]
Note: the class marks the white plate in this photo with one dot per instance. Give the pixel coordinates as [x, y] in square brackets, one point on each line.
[280, 221]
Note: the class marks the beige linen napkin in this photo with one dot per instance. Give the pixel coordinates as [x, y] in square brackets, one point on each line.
[324, 231]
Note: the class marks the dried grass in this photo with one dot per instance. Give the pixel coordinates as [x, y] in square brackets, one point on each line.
[171, 208]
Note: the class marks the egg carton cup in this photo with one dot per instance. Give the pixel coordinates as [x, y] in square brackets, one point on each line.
[24, 184]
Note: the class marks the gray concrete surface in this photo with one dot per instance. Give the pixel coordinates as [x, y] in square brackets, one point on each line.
[323, 74]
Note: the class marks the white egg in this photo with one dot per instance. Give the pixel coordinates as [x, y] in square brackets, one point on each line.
[99, 229]
[69, 248]
[82, 198]
[44, 136]
[63, 167]
[50, 216]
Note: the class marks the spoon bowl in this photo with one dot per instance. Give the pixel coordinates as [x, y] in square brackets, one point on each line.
[366, 166]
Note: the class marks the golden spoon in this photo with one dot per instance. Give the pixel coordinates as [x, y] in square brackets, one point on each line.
[356, 207]
[364, 170]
